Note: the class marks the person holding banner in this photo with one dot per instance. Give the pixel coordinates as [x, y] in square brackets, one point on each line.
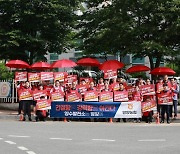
[26, 96]
[91, 86]
[57, 87]
[159, 89]
[47, 87]
[19, 87]
[175, 91]
[164, 99]
[100, 85]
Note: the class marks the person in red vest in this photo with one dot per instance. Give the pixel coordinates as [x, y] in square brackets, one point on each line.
[27, 102]
[48, 87]
[92, 87]
[114, 84]
[58, 87]
[100, 85]
[175, 92]
[20, 86]
[165, 108]
[159, 88]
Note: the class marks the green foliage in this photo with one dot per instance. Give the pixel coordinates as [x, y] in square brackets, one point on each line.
[5, 74]
[31, 28]
[139, 27]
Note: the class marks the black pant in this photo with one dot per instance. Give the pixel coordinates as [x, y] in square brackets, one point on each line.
[165, 109]
[20, 107]
[27, 107]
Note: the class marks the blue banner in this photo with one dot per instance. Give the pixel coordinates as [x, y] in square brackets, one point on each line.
[84, 109]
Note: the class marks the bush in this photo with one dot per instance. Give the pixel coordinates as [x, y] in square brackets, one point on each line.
[5, 74]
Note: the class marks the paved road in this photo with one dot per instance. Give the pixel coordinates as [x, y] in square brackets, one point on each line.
[90, 138]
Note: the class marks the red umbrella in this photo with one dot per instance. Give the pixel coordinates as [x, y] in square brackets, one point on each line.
[17, 64]
[41, 65]
[88, 62]
[163, 71]
[137, 68]
[111, 65]
[63, 63]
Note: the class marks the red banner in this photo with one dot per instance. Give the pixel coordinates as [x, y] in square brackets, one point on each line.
[130, 91]
[70, 78]
[82, 88]
[73, 97]
[106, 96]
[60, 76]
[57, 96]
[147, 89]
[109, 74]
[46, 76]
[25, 94]
[33, 77]
[43, 104]
[115, 86]
[21, 76]
[148, 105]
[165, 98]
[38, 93]
[121, 96]
[91, 96]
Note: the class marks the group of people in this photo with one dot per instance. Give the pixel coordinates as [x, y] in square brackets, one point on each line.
[163, 85]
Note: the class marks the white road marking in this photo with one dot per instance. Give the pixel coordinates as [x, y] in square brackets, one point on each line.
[22, 148]
[152, 140]
[10, 142]
[1, 138]
[107, 140]
[18, 136]
[65, 139]
[30, 152]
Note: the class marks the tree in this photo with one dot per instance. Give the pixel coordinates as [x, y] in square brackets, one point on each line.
[31, 28]
[140, 27]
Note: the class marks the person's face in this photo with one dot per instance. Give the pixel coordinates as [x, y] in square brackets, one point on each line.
[121, 87]
[172, 81]
[83, 82]
[160, 81]
[92, 84]
[40, 87]
[23, 83]
[101, 80]
[57, 84]
[73, 85]
[27, 84]
[106, 85]
[165, 77]
[148, 81]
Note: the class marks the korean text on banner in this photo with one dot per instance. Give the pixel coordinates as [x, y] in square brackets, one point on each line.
[57, 96]
[21, 76]
[60, 76]
[33, 77]
[147, 89]
[121, 96]
[109, 74]
[46, 76]
[106, 96]
[73, 97]
[43, 104]
[165, 99]
[25, 94]
[148, 105]
[91, 96]
[96, 109]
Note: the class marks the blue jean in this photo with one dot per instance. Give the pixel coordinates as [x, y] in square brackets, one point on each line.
[173, 107]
